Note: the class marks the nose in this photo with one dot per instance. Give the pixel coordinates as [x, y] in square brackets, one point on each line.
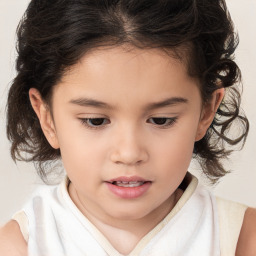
[128, 148]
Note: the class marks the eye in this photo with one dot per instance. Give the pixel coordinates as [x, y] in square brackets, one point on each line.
[94, 122]
[162, 121]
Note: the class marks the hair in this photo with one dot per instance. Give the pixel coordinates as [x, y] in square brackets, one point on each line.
[54, 34]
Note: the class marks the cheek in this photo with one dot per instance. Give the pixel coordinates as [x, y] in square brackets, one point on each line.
[80, 152]
[79, 149]
[175, 150]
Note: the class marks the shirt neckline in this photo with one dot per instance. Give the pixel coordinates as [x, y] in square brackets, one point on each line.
[189, 185]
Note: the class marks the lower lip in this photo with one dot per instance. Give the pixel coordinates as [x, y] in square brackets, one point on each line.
[129, 193]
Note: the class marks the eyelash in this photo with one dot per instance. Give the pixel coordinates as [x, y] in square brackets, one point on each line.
[167, 122]
[87, 122]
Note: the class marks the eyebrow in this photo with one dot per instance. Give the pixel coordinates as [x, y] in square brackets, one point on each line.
[167, 103]
[88, 102]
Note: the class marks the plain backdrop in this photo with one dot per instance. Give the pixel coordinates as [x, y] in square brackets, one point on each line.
[18, 181]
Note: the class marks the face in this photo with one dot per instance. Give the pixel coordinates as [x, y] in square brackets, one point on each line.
[126, 123]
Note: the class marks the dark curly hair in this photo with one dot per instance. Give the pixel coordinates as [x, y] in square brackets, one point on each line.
[54, 34]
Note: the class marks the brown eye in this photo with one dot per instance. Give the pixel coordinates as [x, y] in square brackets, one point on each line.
[159, 121]
[162, 121]
[95, 122]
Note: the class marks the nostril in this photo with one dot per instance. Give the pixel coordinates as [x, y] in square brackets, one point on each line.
[129, 157]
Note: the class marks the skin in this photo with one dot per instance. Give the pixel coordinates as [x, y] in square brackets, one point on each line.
[129, 141]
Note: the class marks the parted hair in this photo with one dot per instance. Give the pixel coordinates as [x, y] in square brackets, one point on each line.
[54, 34]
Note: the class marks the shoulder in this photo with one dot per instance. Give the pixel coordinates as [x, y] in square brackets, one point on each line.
[246, 245]
[12, 242]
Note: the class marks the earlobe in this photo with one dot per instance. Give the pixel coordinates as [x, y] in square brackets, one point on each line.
[208, 113]
[44, 116]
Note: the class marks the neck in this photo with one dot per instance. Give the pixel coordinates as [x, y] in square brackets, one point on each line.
[124, 235]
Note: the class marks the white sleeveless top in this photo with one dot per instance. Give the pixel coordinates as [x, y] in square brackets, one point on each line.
[53, 225]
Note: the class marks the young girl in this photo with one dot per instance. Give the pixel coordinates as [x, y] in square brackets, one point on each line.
[125, 93]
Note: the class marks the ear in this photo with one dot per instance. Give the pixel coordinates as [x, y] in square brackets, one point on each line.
[45, 118]
[208, 112]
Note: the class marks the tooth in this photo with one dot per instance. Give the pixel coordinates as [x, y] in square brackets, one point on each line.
[129, 184]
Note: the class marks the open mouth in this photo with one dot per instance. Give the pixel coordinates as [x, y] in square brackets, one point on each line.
[129, 187]
[128, 184]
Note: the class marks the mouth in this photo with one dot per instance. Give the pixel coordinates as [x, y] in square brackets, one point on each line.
[128, 184]
[129, 187]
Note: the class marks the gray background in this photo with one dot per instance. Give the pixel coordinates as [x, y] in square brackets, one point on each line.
[18, 181]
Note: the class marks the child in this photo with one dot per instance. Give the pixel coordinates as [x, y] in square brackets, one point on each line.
[125, 93]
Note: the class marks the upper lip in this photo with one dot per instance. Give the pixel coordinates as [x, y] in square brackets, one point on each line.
[128, 179]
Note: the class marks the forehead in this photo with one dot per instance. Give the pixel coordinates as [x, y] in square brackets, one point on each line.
[127, 71]
[125, 58]
[126, 54]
